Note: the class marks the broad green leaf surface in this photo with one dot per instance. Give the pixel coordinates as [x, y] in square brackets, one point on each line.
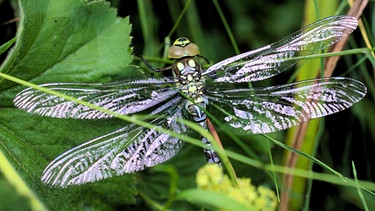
[63, 41]
[68, 41]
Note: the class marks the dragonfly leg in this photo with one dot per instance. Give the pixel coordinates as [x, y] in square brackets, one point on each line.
[150, 66]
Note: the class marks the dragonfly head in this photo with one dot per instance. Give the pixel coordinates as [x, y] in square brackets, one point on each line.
[181, 48]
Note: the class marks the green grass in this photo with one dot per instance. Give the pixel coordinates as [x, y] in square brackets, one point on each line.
[74, 41]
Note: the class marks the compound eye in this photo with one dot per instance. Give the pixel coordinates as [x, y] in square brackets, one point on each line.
[192, 50]
[175, 52]
[182, 47]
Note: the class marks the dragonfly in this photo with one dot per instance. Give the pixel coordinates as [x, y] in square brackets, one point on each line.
[188, 94]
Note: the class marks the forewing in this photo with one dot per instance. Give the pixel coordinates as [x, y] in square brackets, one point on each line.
[270, 60]
[126, 150]
[265, 110]
[125, 97]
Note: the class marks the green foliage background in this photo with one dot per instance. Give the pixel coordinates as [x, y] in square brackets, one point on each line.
[89, 41]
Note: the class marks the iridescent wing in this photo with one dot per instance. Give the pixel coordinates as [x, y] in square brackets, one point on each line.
[125, 97]
[272, 59]
[270, 109]
[129, 149]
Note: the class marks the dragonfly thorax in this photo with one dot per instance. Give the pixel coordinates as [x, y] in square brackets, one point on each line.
[186, 66]
[188, 72]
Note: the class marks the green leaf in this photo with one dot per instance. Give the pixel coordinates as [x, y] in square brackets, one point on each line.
[63, 41]
[6, 45]
[68, 41]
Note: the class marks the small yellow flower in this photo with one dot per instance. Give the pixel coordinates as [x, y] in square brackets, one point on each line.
[211, 177]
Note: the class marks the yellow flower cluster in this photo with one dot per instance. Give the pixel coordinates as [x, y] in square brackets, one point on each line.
[210, 177]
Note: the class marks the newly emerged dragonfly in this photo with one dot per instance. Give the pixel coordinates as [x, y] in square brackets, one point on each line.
[188, 94]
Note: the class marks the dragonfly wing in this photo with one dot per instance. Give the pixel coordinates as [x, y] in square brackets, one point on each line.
[270, 60]
[126, 150]
[270, 109]
[122, 97]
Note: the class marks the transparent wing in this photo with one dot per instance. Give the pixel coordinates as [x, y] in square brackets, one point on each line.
[126, 150]
[275, 58]
[270, 109]
[122, 97]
